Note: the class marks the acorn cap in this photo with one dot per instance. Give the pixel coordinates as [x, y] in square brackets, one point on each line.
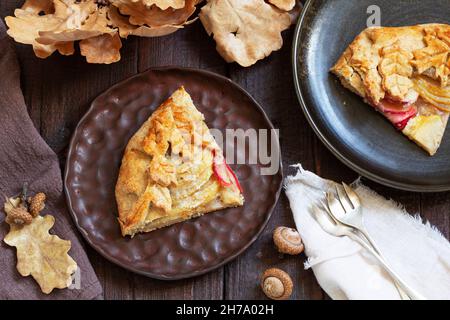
[288, 240]
[19, 216]
[276, 284]
[37, 204]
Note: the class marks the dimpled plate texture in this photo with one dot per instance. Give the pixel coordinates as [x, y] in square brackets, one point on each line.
[186, 249]
[352, 130]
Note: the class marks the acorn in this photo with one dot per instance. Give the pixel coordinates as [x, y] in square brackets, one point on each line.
[19, 216]
[276, 284]
[37, 204]
[288, 241]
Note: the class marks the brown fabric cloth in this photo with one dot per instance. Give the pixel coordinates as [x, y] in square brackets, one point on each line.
[24, 156]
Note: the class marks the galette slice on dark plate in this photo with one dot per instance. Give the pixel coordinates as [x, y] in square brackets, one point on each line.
[173, 170]
[404, 73]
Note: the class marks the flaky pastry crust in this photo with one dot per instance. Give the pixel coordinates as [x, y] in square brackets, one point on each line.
[382, 63]
[167, 171]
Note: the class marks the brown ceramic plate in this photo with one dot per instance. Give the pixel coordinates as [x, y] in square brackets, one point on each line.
[186, 249]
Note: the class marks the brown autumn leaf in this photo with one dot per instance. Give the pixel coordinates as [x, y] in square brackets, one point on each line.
[54, 25]
[78, 11]
[25, 27]
[245, 31]
[87, 23]
[163, 4]
[39, 6]
[155, 17]
[286, 5]
[11, 203]
[127, 29]
[42, 255]
[296, 11]
[65, 48]
[50, 32]
[101, 49]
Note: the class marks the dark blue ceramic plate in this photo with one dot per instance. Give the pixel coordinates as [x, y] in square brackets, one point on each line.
[353, 131]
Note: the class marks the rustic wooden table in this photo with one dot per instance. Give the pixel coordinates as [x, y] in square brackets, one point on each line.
[59, 90]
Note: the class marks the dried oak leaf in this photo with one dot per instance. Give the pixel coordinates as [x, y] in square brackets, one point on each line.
[65, 48]
[101, 49]
[39, 6]
[141, 15]
[294, 13]
[81, 22]
[51, 32]
[163, 4]
[11, 203]
[245, 30]
[286, 5]
[78, 10]
[25, 27]
[42, 255]
[127, 29]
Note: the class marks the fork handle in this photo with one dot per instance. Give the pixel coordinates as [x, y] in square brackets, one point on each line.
[364, 244]
[413, 294]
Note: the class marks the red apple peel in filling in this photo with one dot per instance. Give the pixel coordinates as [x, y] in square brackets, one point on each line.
[223, 172]
[397, 112]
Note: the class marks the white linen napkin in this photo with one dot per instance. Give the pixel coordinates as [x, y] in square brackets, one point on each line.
[418, 252]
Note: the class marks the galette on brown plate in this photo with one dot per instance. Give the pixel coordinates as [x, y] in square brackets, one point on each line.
[173, 170]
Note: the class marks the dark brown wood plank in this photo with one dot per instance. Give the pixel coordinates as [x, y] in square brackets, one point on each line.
[189, 47]
[435, 208]
[117, 283]
[270, 82]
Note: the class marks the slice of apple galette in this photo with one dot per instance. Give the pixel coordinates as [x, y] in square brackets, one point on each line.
[173, 170]
[404, 73]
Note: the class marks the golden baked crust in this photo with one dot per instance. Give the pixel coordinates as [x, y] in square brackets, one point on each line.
[384, 63]
[168, 174]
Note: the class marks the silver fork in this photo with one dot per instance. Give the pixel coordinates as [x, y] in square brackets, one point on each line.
[347, 210]
[330, 225]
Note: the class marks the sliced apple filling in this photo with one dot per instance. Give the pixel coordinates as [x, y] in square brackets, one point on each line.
[404, 73]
